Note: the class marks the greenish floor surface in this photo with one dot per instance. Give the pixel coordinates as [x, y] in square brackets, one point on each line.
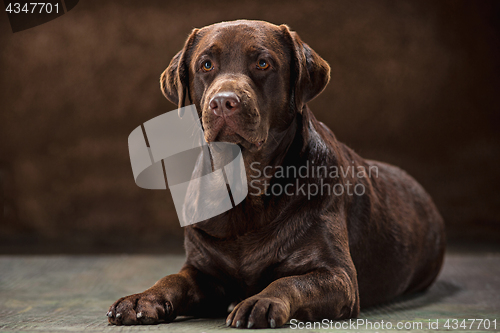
[73, 293]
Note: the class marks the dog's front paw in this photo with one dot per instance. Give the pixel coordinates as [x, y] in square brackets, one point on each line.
[144, 308]
[259, 312]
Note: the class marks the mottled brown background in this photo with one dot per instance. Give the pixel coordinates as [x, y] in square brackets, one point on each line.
[414, 83]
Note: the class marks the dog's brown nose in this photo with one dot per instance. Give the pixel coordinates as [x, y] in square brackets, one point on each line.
[224, 104]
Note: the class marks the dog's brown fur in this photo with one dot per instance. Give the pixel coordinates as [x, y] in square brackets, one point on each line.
[284, 257]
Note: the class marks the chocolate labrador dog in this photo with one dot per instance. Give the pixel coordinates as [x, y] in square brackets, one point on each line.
[287, 251]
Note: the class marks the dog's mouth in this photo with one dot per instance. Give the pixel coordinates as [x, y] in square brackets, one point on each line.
[230, 113]
[244, 132]
[222, 130]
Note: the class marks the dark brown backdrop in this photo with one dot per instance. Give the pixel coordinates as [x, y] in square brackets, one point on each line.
[414, 83]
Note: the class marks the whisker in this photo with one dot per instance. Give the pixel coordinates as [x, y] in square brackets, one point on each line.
[274, 138]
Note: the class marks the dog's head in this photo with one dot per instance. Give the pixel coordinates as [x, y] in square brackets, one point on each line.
[248, 79]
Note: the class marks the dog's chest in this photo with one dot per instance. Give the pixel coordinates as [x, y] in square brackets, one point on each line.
[248, 258]
[251, 264]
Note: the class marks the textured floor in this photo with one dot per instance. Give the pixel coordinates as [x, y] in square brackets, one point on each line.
[73, 293]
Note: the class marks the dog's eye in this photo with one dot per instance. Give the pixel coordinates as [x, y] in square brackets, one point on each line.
[207, 66]
[262, 64]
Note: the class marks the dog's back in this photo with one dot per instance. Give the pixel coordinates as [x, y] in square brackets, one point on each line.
[396, 234]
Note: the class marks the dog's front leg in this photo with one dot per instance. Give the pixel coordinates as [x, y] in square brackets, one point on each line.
[185, 293]
[325, 293]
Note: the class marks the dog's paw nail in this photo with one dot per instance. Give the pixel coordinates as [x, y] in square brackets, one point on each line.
[118, 315]
[238, 324]
[139, 315]
[228, 322]
[250, 324]
[168, 307]
[109, 314]
[272, 323]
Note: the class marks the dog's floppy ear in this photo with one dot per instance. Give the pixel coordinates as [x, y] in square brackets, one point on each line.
[309, 72]
[174, 81]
